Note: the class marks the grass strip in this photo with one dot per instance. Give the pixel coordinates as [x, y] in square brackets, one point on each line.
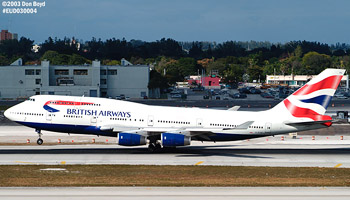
[153, 175]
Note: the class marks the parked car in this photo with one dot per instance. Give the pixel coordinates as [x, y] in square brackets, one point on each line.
[176, 96]
[239, 96]
[118, 98]
[255, 91]
[217, 97]
[267, 95]
[340, 96]
[198, 89]
[244, 90]
[206, 97]
[175, 92]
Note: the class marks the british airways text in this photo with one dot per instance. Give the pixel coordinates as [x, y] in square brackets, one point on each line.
[98, 113]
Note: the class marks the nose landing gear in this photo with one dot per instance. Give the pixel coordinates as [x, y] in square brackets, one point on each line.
[39, 141]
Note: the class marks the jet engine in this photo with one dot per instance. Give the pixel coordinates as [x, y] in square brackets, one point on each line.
[173, 140]
[129, 139]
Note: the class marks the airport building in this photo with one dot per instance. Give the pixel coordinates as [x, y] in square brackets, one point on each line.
[300, 80]
[18, 81]
[208, 82]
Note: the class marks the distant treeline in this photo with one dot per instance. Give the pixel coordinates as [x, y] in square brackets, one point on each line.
[234, 61]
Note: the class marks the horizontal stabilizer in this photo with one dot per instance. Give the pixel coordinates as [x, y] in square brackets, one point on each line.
[309, 123]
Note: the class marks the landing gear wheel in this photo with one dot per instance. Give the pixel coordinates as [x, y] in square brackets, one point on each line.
[40, 141]
[152, 147]
[158, 146]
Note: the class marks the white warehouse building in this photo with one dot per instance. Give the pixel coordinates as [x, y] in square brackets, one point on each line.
[299, 80]
[17, 81]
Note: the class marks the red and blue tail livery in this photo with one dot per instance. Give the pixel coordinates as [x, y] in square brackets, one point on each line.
[312, 100]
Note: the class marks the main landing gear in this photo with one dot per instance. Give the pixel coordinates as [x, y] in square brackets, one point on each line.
[39, 141]
[154, 147]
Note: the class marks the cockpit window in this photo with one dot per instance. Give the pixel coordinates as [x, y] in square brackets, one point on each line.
[30, 99]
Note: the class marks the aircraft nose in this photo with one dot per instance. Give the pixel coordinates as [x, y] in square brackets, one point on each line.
[6, 113]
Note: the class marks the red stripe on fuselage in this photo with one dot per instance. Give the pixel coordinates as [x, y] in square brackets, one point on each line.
[331, 82]
[306, 113]
[67, 103]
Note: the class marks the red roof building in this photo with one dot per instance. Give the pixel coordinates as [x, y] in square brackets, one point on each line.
[209, 82]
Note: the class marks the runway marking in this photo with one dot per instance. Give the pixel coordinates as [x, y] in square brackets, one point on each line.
[338, 165]
[26, 162]
[198, 163]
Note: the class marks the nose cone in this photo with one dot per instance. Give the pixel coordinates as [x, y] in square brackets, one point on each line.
[6, 113]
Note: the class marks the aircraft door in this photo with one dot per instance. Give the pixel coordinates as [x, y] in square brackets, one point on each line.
[48, 117]
[199, 122]
[150, 120]
[93, 121]
[268, 127]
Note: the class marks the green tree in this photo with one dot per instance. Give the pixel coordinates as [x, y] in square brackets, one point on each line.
[112, 62]
[157, 81]
[49, 55]
[219, 65]
[233, 74]
[298, 51]
[314, 62]
[187, 66]
[173, 73]
[255, 73]
[76, 59]
[4, 60]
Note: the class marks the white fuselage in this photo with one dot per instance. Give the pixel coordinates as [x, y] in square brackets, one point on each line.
[87, 115]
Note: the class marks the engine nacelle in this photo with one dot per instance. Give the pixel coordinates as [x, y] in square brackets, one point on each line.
[129, 139]
[172, 140]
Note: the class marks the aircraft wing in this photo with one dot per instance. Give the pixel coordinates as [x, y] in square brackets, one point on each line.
[189, 131]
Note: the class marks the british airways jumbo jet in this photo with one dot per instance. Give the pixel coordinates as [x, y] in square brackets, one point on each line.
[159, 126]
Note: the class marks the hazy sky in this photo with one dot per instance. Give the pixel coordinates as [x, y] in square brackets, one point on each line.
[326, 21]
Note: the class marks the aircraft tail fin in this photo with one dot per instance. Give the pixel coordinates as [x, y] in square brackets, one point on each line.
[312, 100]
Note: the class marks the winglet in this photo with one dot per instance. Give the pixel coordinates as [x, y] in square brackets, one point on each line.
[245, 125]
[234, 108]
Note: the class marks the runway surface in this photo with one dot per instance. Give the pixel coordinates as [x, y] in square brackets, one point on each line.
[188, 193]
[324, 151]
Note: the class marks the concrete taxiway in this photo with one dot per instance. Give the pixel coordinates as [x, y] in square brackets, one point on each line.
[323, 151]
[155, 193]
